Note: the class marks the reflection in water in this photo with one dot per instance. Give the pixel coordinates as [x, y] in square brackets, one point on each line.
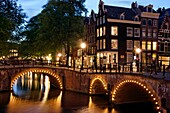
[33, 93]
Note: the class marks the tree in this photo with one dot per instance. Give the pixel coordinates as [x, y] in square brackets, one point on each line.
[61, 25]
[30, 34]
[12, 18]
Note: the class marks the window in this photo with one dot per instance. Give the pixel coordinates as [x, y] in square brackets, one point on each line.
[129, 44]
[100, 20]
[93, 51]
[155, 23]
[149, 22]
[149, 46]
[143, 45]
[136, 44]
[154, 33]
[136, 18]
[154, 46]
[129, 57]
[103, 19]
[114, 44]
[101, 44]
[129, 31]
[143, 32]
[104, 43]
[114, 30]
[104, 30]
[101, 31]
[136, 32]
[144, 22]
[97, 21]
[97, 44]
[161, 46]
[97, 32]
[149, 32]
[122, 16]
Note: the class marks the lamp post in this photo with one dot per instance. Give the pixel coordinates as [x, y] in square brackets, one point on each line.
[83, 45]
[138, 51]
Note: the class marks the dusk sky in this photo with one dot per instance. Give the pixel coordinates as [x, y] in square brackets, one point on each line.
[33, 7]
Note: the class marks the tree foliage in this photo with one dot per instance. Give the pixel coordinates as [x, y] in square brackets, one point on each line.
[11, 19]
[60, 25]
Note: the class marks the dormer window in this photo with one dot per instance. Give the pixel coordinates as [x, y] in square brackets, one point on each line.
[122, 16]
[136, 18]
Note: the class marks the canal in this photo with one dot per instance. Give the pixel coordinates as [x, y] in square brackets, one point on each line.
[33, 93]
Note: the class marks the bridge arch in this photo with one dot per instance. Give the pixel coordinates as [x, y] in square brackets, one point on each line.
[98, 85]
[39, 70]
[145, 90]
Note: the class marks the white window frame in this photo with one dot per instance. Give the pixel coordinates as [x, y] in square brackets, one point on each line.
[136, 32]
[129, 31]
[114, 44]
[129, 44]
[114, 30]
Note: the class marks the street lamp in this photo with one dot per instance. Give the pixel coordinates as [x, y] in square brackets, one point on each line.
[83, 45]
[138, 51]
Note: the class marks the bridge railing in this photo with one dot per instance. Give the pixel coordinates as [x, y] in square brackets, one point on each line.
[130, 67]
[23, 63]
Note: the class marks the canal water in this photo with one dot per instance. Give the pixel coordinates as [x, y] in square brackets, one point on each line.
[33, 93]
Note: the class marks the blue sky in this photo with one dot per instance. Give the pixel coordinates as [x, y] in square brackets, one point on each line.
[33, 7]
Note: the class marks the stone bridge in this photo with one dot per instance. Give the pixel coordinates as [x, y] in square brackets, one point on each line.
[120, 87]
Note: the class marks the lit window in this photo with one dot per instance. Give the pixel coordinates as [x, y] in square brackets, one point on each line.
[149, 46]
[104, 43]
[129, 44]
[114, 30]
[129, 31]
[114, 44]
[136, 44]
[129, 56]
[154, 45]
[101, 31]
[104, 30]
[143, 45]
[136, 32]
[100, 44]
[97, 32]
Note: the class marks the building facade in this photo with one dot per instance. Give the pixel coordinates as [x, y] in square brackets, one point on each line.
[164, 38]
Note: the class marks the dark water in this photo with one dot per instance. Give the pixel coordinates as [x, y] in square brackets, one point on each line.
[36, 95]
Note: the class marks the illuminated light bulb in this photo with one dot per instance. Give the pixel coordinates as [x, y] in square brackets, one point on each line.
[154, 98]
[157, 107]
[147, 89]
[151, 95]
[149, 92]
[156, 103]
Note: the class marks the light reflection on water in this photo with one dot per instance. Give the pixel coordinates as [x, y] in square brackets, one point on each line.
[33, 93]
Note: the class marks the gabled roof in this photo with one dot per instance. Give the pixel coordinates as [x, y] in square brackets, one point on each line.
[115, 12]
